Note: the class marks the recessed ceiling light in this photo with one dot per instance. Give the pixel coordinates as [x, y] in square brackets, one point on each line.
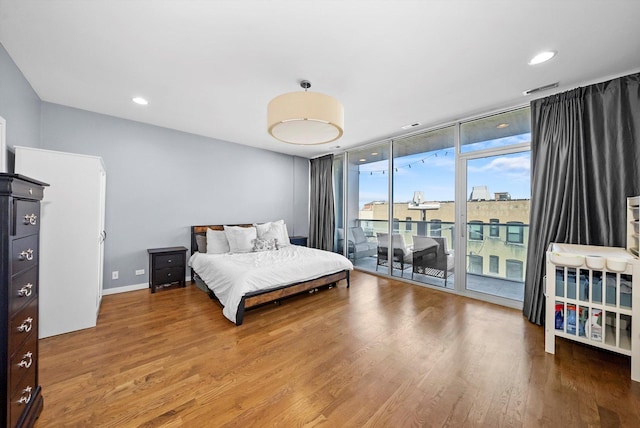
[502, 125]
[542, 57]
[412, 125]
[363, 160]
[140, 100]
[374, 154]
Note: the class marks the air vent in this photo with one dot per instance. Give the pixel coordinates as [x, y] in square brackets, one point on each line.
[413, 125]
[541, 88]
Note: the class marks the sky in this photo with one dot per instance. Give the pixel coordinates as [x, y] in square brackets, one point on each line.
[433, 173]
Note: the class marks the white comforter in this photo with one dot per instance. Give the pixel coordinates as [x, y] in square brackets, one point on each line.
[231, 276]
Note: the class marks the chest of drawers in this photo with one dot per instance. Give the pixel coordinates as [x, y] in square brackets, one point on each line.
[19, 240]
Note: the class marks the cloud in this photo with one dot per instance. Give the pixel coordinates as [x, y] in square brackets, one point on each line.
[498, 142]
[505, 164]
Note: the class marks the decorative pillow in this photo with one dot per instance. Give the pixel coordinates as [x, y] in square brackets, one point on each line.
[265, 244]
[240, 238]
[274, 230]
[216, 242]
[201, 242]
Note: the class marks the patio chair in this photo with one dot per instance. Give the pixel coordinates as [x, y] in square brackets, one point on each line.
[401, 254]
[431, 257]
[359, 245]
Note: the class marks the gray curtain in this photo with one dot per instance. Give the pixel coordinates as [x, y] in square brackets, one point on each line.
[322, 221]
[585, 159]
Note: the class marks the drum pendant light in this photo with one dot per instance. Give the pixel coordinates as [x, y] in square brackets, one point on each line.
[305, 117]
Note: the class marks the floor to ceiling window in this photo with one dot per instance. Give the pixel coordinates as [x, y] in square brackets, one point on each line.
[460, 206]
[424, 207]
[368, 206]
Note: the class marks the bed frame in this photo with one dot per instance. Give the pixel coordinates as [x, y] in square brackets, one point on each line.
[259, 298]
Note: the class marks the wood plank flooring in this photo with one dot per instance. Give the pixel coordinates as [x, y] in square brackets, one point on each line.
[382, 353]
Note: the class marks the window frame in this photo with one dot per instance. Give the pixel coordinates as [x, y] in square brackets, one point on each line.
[494, 228]
[519, 232]
[509, 265]
[474, 232]
[476, 261]
[494, 264]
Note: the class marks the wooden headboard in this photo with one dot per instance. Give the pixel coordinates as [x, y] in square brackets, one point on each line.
[202, 230]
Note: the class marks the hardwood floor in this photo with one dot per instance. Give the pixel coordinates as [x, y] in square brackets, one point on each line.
[382, 353]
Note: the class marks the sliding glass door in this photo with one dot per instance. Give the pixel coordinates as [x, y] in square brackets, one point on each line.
[497, 224]
[494, 175]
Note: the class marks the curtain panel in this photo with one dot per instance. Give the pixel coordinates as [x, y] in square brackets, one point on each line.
[322, 211]
[585, 162]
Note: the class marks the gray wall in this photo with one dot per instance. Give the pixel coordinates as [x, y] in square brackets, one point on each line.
[160, 182]
[19, 105]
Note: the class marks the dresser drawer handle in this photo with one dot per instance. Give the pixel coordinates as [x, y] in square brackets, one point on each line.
[26, 290]
[26, 325]
[27, 255]
[26, 364]
[23, 399]
[31, 219]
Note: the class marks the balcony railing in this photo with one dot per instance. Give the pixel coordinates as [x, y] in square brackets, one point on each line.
[494, 250]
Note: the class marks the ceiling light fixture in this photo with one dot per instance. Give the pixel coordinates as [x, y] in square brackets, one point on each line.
[139, 100]
[502, 125]
[542, 57]
[412, 125]
[305, 117]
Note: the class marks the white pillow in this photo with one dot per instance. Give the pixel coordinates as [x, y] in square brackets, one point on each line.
[217, 242]
[274, 230]
[240, 238]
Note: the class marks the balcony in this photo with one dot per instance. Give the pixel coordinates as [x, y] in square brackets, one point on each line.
[495, 254]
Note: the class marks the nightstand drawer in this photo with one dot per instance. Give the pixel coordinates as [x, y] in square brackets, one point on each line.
[168, 275]
[169, 260]
[298, 240]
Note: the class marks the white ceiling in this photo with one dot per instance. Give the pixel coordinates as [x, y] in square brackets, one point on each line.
[211, 67]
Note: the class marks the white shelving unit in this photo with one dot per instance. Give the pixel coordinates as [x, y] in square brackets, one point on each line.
[633, 224]
[593, 297]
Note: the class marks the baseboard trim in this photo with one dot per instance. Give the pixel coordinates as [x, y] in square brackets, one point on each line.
[125, 289]
[134, 287]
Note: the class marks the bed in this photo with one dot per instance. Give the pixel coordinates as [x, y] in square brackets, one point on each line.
[240, 281]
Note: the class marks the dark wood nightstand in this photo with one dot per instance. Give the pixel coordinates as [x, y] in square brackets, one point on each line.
[298, 240]
[167, 266]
